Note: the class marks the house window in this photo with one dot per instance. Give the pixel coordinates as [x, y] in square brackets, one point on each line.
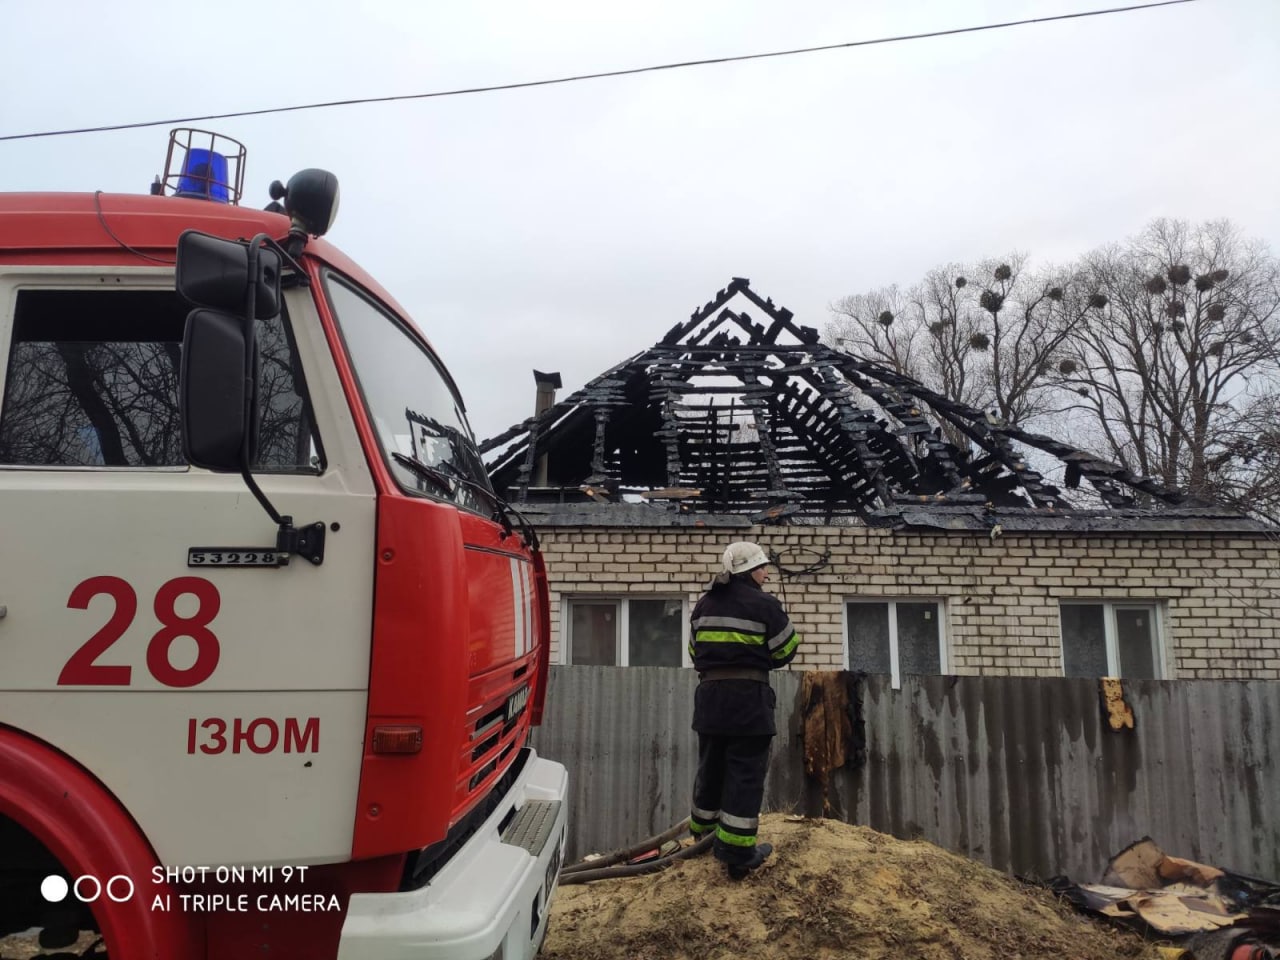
[1106, 639]
[627, 632]
[896, 637]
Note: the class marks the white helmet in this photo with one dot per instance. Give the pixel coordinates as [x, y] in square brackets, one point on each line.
[742, 557]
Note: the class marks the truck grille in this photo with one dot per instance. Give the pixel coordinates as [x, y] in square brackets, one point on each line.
[423, 864]
[497, 726]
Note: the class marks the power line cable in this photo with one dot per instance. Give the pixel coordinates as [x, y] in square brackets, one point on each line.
[590, 76]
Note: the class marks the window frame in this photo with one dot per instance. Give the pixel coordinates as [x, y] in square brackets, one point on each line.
[44, 278]
[621, 645]
[1160, 656]
[299, 372]
[944, 633]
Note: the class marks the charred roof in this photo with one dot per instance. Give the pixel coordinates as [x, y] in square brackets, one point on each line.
[730, 419]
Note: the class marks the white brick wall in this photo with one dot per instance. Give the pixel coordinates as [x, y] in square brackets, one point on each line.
[1221, 595]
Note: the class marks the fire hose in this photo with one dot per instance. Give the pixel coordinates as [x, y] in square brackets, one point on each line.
[614, 865]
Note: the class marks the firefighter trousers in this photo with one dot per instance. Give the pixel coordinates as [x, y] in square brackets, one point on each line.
[727, 793]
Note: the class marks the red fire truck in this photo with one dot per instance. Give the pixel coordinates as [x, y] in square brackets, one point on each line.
[270, 645]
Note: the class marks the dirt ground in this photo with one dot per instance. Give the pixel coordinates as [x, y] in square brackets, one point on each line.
[26, 946]
[830, 891]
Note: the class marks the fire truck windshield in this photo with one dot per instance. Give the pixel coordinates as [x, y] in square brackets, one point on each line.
[414, 408]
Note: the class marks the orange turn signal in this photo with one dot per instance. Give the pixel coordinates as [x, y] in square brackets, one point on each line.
[397, 739]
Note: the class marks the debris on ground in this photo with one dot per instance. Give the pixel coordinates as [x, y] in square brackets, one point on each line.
[26, 946]
[830, 891]
[1214, 913]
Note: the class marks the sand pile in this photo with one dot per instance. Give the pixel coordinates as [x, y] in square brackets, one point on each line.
[829, 891]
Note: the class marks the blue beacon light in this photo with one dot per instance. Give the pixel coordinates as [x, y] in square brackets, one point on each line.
[204, 176]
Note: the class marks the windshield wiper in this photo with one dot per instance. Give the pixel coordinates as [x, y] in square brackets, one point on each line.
[527, 533]
[503, 511]
[441, 480]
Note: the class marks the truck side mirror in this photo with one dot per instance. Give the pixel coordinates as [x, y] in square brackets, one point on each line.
[214, 273]
[215, 397]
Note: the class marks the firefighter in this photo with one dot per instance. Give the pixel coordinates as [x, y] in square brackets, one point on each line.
[739, 634]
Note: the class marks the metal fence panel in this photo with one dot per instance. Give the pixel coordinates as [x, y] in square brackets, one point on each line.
[1021, 773]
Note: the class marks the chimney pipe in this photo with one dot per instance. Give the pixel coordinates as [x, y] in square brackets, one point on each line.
[548, 384]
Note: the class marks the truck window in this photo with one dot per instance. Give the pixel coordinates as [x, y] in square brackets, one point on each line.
[413, 405]
[92, 381]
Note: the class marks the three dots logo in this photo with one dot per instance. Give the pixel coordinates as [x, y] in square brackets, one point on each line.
[87, 889]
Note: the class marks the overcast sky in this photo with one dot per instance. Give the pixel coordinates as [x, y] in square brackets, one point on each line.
[567, 227]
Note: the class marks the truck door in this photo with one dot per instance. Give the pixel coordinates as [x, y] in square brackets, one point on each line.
[220, 698]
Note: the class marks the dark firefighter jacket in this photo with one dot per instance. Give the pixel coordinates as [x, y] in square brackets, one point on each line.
[738, 625]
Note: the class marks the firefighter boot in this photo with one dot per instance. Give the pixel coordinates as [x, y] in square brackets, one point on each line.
[739, 871]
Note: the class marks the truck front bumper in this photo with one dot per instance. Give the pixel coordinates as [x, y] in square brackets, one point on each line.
[490, 900]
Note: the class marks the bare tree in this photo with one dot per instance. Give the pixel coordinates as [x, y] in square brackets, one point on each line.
[1161, 353]
[1246, 471]
[984, 334]
[868, 322]
[1176, 366]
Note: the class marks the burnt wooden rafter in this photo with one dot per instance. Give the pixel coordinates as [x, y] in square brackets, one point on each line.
[1101, 474]
[900, 397]
[859, 476]
[856, 423]
[744, 415]
[678, 333]
[761, 415]
[558, 410]
[663, 394]
[1042, 493]
[526, 466]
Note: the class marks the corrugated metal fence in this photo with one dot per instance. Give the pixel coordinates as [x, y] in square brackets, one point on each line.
[1021, 773]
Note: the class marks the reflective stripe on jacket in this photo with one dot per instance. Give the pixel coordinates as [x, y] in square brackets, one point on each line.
[739, 626]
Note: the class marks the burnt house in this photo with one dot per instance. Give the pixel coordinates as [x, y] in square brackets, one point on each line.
[912, 534]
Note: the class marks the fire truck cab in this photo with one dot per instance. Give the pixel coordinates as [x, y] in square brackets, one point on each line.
[270, 645]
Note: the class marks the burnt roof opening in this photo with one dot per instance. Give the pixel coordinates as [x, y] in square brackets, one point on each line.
[734, 419]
